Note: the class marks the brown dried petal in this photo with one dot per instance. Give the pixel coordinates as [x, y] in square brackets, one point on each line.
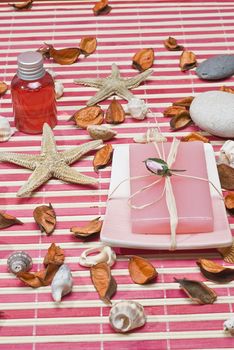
[101, 8]
[102, 157]
[3, 88]
[7, 220]
[115, 113]
[171, 44]
[228, 253]
[141, 270]
[194, 136]
[182, 120]
[88, 45]
[226, 89]
[229, 202]
[187, 60]
[143, 59]
[215, 272]
[22, 5]
[44, 51]
[53, 259]
[45, 217]
[102, 280]
[197, 291]
[184, 102]
[92, 227]
[226, 176]
[173, 111]
[64, 56]
[55, 255]
[88, 116]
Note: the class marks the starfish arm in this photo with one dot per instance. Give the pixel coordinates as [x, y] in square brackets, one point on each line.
[27, 161]
[115, 71]
[48, 144]
[137, 79]
[124, 93]
[96, 83]
[40, 175]
[100, 96]
[67, 174]
[72, 155]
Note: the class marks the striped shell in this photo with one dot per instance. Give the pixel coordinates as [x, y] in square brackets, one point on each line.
[19, 262]
[5, 130]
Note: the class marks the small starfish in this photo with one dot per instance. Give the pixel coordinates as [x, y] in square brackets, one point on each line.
[113, 85]
[51, 163]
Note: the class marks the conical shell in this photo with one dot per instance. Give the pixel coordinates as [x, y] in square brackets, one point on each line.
[137, 108]
[126, 316]
[19, 262]
[62, 283]
[5, 130]
[105, 254]
[228, 325]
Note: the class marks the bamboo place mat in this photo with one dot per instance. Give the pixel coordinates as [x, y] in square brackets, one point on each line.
[30, 320]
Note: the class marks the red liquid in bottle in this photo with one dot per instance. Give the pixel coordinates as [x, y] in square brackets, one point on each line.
[33, 94]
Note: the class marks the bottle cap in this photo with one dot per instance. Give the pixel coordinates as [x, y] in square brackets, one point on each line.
[30, 66]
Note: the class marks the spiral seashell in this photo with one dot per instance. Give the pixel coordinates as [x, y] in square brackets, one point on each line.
[106, 255]
[62, 283]
[227, 153]
[228, 326]
[137, 108]
[126, 316]
[19, 262]
[5, 130]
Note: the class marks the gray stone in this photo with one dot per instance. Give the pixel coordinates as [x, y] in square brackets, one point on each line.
[213, 111]
[217, 67]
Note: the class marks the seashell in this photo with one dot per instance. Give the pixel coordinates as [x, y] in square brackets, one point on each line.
[228, 325]
[106, 254]
[62, 283]
[126, 315]
[59, 88]
[101, 132]
[137, 108]
[5, 130]
[151, 135]
[19, 262]
[227, 153]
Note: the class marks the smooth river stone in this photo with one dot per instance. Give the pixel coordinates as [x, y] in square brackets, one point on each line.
[213, 111]
[217, 67]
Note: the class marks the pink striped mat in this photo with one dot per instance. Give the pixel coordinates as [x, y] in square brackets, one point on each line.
[29, 319]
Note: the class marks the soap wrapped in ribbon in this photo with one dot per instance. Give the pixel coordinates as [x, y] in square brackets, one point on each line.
[153, 193]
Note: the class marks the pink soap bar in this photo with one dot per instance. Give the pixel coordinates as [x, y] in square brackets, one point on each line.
[193, 200]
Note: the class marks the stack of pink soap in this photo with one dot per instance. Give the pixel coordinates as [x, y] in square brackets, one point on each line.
[193, 200]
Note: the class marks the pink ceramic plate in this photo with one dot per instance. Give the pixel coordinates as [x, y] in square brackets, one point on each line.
[116, 230]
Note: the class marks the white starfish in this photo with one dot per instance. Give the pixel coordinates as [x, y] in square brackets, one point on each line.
[113, 85]
[51, 163]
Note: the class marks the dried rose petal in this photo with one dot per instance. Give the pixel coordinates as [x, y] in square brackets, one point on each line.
[187, 60]
[184, 102]
[115, 113]
[45, 217]
[182, 120]
[143, 59]
[141, 270]
[228, 253]
[197, 291]
[101, 8]
[88, 116]
[7, 220]
[171, 44]
[55, 255]
[88, 45]
[215, 272]
[22, 5]
[92, 227]
[63, 56]
[102, 280]
[102, 157]
[194, 136]
[226, 89]
[229, 202]
[226, 176]
[3, 88]
[173, 111]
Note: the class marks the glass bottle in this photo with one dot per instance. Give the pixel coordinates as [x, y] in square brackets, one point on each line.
[33, 94]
